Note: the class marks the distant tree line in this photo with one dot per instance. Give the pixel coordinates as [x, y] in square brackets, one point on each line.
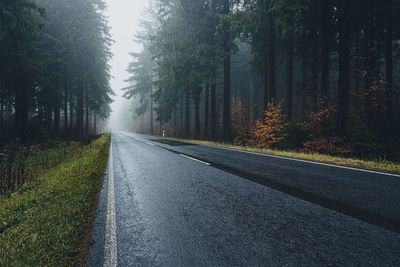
[335, 61]
[54, 71]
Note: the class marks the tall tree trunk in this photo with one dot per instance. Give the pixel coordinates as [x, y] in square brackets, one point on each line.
[2, 98]
[389, 62]
[197, 115]
[87, 113]
[266, 92]
[142, 124]
[71, 113]
[40, 114]
[48, 105]
[175, 121]
[371, 68]
[314, 68]
[271, 58]
[344, 66]
[182, 107]
[213, 116]
[305, 83]
[57, 107]
[79, 112]
[187, 115]
[21, 85]
[206, 109]
[94, 123]
[151, 113]
[357, 74]
[289, 73]
[21, 101]
[227, 77]
[325, 51]
[267, 42]
[66, 102]
[2, 114]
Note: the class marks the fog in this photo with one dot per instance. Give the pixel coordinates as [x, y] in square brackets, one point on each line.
[124, 16]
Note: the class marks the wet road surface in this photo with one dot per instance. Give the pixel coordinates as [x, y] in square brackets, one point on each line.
[177, 204]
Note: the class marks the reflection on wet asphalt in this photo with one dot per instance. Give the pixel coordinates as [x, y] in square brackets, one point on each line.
[174, 211]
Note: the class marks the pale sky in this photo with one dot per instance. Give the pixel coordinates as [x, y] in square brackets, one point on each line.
[124, 16]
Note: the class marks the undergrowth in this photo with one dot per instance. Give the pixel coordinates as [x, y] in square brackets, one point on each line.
[47, 223]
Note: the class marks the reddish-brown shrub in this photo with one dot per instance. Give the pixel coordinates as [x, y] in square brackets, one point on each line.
[267, 133]
[321, 128]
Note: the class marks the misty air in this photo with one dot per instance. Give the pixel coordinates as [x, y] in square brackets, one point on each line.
[199, 133]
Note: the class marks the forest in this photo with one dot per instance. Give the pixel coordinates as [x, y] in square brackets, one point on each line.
[305, 75]
[54, 72]
[54, 83]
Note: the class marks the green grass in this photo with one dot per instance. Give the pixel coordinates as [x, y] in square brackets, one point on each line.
[49, 222]
[40, 158]
[377, 165]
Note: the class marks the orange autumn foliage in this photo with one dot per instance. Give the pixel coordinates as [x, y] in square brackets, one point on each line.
[321, 128]
[267, 132]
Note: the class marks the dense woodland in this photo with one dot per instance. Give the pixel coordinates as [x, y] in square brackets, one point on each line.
[54, 72]
[313, 75]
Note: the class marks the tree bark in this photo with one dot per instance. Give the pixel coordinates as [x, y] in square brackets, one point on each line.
[197, 115]
[344, 66]
[57, 107]
[71, 113]
[2, 114]
[227, 77]
[325, 52]
[389, 62]
[49, 115]
[2, 96]
[305, 84]
[206, 109]
[289, 73]
[187, 115]
[182, 115]
[271, 58]
[314, 69]
[213, 116]
[87, 112]
[66, 102]
[21, 102]
[151, 112]
[94, 123]
[79, 113]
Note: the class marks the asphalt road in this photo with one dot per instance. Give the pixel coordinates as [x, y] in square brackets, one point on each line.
[160, 205]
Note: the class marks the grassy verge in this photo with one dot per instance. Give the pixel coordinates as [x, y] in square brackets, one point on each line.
[22, 164]
[49, 222]
[378, 165]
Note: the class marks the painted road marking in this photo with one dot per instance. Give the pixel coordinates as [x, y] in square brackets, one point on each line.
[110, 246]
[148, 143]
[299, 160]
[137, 139]
[200, 161]
[305, 161]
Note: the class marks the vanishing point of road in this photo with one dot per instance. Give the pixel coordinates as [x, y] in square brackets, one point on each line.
[169, 203]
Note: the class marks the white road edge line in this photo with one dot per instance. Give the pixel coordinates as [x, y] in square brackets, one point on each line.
[303, 160]
[200, 161]
[110, 246]
[137, 139]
